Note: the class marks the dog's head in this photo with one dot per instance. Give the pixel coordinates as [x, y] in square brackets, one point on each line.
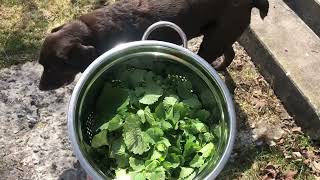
[65, 53]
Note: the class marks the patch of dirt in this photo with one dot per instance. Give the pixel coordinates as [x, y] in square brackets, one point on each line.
[33, 130]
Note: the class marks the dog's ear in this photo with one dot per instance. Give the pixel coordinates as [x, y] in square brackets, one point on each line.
[81, 55]
[57, 28]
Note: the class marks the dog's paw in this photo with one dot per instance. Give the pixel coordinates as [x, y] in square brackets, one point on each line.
[219, 64]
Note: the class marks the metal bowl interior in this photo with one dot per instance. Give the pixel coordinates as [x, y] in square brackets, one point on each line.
[159, 57]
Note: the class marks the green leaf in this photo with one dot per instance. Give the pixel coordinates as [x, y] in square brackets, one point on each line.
[202, 115]
[149, 116]
[149, 99]
[156, 155]
[185, 172]
[165, 125]
[160, 112]
[115, 123]
[117, 147]
[178, 142]
[152, 95]
[192, 176]
[147, 138]
[199, 127]
[155, 133]
[163, 144]
[193, 126]
[152, 165]
[137, 176]
[121, 173]
[136, 141]
[169, 165]
[100, 139]
[140, 113]
[122, 160]
[203, 166]
[135, 164]
[132, 122]
[171, 116]
[170, 101]
[193, 102]
[180, 110]
[190, 147]
[158, 174]
[207, 150]
[197, 161]
[174, 158]
[207, 137]
[108, 102]
[139, 91]
[133, 100]
[124, 107]
[184, 89]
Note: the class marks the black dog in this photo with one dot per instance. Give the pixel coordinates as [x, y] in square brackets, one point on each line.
[70, 48]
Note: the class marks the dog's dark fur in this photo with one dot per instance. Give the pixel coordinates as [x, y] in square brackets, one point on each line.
[70, 48]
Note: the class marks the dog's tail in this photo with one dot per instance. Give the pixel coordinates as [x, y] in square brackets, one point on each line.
[263, 6]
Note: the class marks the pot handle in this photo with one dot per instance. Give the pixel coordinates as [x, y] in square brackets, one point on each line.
[166, 24]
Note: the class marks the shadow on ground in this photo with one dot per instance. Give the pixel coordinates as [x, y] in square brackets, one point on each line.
[242, 156]
[75, 173]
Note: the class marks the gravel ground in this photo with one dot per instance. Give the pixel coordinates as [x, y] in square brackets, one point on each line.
[33, 130]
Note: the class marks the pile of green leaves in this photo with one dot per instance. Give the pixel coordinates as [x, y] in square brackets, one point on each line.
[152, 127]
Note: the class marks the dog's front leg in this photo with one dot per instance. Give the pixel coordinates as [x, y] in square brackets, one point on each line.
[212, 45]
[219, 38]
[228, 56]
[217, 41]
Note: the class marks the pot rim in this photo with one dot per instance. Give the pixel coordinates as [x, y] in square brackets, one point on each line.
[123, 47]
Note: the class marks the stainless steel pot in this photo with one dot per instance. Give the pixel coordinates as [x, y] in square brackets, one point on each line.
[154, 55]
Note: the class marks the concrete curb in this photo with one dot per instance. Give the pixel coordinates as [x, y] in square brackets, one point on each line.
[309, 11]
[287, 53]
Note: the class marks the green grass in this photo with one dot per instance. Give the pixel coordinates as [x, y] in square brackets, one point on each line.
[250, 163]
[24, 24]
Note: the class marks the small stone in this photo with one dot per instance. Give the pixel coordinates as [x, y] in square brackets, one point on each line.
[36, 162]
[296, 130]
[281, 141]
[32, 123]
[315, 166]
[76, 164]
[297, 154]
[32, 103]
[287, 156]
[259, 143]
[44, 136]
[20, 116]
[272, 143]
[53, 166]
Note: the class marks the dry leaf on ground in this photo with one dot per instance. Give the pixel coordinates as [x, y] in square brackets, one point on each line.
[269, 173]
[289, 175]
[315, 166]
